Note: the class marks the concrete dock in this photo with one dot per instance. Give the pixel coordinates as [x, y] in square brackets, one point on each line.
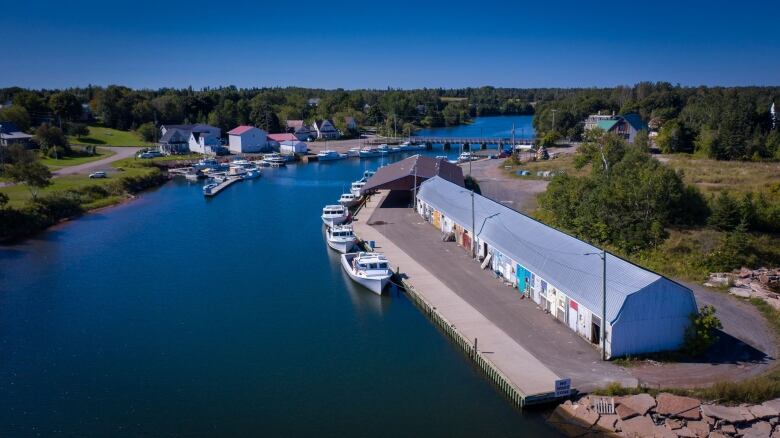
[523, 378]
[229, 181]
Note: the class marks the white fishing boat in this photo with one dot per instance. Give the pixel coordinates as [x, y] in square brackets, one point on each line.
[368, 153]
[370, 269]
[341, 238]
[349, 200]
[274, 160]
[334, 215]
[241, 163]
[206, 163]
[208, 189]
[329, 155]
[367, 174]
[356, 187]
[353, 152]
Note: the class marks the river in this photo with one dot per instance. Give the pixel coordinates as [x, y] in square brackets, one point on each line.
[177, 315]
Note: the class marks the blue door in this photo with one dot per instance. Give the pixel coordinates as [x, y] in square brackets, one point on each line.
[523, 278]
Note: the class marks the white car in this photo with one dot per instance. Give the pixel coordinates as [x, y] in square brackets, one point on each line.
[98, 174]
[149, 154]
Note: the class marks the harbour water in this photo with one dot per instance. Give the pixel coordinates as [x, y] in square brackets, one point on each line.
[178, 315]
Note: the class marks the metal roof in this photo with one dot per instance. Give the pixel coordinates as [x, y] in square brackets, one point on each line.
[556, 257]
[606, 124]
[401, 175]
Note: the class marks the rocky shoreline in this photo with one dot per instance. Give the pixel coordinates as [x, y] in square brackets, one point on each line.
[664, 415]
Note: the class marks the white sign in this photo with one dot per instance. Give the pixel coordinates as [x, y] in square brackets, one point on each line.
[563, 387]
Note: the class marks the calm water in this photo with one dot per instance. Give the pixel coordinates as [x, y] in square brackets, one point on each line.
[500, 126]
[176, 315]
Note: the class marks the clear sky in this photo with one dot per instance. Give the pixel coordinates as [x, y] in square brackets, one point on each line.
[377, 44]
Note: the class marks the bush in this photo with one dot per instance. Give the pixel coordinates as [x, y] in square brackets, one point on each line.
[700, 334]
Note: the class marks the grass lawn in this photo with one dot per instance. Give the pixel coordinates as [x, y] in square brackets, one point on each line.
[75, 160]
[563, 163]
[712, 176]
[100, 135]
[19, 195]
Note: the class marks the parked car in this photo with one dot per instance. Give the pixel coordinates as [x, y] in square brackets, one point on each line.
[98, 174]
[149, 154]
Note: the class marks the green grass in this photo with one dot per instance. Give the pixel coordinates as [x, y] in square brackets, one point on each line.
[712, 176]
[564, 163]
[77, 159]
[99, 135]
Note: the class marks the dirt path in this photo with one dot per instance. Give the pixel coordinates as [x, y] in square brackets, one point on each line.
[517, 194]
[119, 153]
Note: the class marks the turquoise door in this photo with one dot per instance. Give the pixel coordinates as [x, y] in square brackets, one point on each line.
[523, 278]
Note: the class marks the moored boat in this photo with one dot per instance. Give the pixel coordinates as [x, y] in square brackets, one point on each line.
[274, 160]
[349, 200]
[341, 238]
[208, 189]
[252, 173]
[334, 215]
[356, 187]
[370, 269]
[329, 155]
[368, 153]
[353, 152]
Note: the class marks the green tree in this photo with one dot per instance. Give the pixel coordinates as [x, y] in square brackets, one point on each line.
[34, 175]
[78, 130]
[148, 132]
[726, 213]
[701, 332]
[65, 106]
[17, 115]
[674, 137]
[550, 138]
[50, 138]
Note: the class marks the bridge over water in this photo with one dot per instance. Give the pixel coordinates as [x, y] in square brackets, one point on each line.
[471, 140]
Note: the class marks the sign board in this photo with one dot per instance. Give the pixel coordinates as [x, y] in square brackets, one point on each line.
[563, 387]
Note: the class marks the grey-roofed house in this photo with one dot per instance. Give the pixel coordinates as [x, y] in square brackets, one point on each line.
[11, 134]
[404, 174]
[181, 139]
[326, 130]
[646, 312]
[625, 126]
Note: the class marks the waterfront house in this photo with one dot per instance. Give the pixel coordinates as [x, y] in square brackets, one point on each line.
[645, 312]
[247, 139]
[181, 139]
[11, 134]
[350, 123]
[325, 130]
[301, 130]
[625, 126]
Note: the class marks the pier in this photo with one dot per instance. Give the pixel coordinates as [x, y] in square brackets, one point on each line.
[471, 140]
[523, 378]
[224, 184]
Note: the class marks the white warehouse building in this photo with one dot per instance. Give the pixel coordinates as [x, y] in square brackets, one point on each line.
[247, 139]
[646, 312]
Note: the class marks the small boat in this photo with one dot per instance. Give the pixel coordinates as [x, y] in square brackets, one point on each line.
[395, 149]
[369, 269]
[349, 200]
[274, 160]
[334, 215]
[206, 163]
[407, 147]
[329, 155]
[353, 152]
[368, 153]
[367, 174]
[241, 163]
[253, 173]
[208, 189]
[356, 187]
[341, 238]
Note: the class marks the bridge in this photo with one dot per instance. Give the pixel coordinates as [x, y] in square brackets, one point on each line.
[471, 140]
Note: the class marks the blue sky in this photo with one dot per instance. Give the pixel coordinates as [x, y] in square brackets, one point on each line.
[401, 44]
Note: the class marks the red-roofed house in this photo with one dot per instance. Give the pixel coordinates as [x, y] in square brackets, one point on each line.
[282, 137]
[247, 139]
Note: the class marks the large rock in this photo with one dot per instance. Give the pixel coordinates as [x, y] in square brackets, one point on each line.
[774, 405]
[759, 429]
[731, 415]
[640, 403]
[699, 428]
[762, 412]
[624, 412]
[663, 432]
[740, 292]
[608, 422]
[685, 433]
[676, 406]
[637, 427]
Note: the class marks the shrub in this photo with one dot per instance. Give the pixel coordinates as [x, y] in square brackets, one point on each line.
[700, 334]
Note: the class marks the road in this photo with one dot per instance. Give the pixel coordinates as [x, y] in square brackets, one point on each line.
[515, 193]
[102, 164]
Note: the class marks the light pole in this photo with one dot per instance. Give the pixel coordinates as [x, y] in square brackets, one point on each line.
[603, 256]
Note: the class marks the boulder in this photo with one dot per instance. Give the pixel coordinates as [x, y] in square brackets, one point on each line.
[624, 412]
[774, 405]
[759, 429]
[699, 428]
[685, 433]
[677, 406]
[762, 412]
[729, 429]
[740, 292]
[731, 415]
[640, 403]
[637, 427]
[608, 422]
[663, 432]
[673, 424]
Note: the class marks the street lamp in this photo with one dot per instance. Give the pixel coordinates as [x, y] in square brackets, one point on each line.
[603, 256]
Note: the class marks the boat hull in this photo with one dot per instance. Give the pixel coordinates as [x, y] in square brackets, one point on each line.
[375, 285]
[351, 203]
[331, 221]
[342, 247]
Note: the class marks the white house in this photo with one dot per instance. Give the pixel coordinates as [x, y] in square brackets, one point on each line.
[247, 139]
[205, 139]
[301, 130]
[293, 147]
[645, 312]
[326, 130]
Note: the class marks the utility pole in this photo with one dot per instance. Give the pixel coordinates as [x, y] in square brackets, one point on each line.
[473, 226]
[604, 305]
[553, 118]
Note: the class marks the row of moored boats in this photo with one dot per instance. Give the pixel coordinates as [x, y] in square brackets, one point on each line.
[369, 269]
